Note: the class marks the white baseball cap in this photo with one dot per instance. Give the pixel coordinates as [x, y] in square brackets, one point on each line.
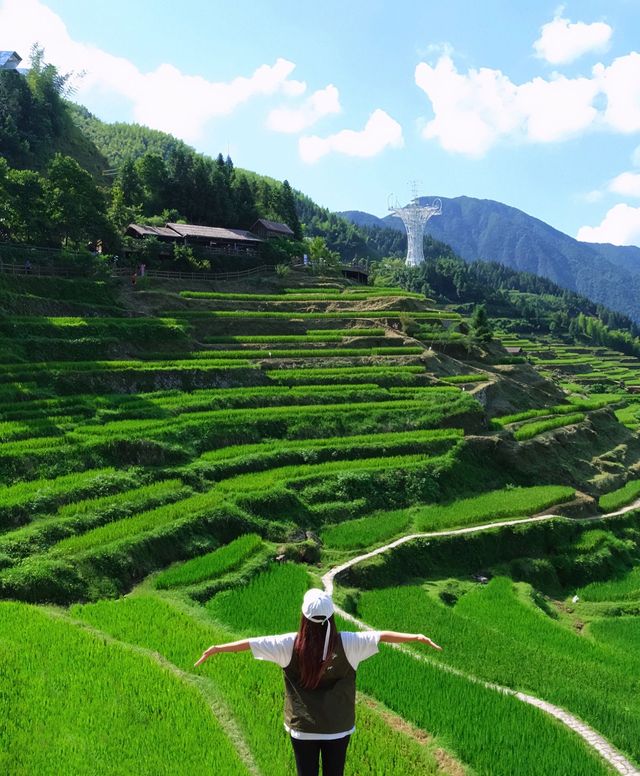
[317, 605]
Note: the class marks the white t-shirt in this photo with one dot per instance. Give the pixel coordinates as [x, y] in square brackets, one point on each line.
[279, 649]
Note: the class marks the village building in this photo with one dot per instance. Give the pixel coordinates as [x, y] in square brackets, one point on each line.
[9, 60]
[268, 230]
[162, 233]
[207, 240]
[217, 240]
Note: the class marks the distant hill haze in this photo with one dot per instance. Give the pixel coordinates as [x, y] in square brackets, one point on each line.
[491, 231]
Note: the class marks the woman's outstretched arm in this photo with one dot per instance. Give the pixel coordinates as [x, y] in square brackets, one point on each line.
[393, 637]
[232, 646]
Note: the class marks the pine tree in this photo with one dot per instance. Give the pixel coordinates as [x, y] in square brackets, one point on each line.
[289, 212]
[480, 326]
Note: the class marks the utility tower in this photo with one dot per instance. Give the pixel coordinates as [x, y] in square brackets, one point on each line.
[414, 217]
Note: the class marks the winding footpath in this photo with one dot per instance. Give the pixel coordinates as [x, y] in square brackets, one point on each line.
[608, 752]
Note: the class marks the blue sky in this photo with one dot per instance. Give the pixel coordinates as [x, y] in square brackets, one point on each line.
[529, 103]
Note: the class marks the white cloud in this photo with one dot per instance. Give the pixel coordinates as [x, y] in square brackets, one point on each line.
[627, 184]
[635, 157]
[557, 109]
[293, 88]
[473, 111]
[620, 226]
[321, 103]
[592, 196]
[165, 98]
[620, 83]
[562, 41]
[380, 132]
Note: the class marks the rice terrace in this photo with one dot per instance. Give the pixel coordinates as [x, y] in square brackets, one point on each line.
[143, 516]
[217, 395]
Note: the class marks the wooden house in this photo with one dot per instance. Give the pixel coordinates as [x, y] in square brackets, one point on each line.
[162, 233]
[268, 230]
[207, 240]
[216, 239]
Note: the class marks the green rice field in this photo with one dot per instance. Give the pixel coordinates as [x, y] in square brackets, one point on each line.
[179, 463]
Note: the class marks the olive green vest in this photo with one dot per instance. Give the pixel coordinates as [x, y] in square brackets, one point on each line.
[331, 707]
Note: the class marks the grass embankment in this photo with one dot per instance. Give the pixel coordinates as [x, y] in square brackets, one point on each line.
[498, 634]
[485, 508]
[31, 416]
[311, 336]
[20, 502]
[619, 498]
[308, 296]
[431, 315]
[238, 459]
[530, 430]
[559, 409]
[81, 516]
[298, 353]
[82, 704]
[211, 565]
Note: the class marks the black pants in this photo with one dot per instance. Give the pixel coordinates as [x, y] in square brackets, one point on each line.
[307, 754]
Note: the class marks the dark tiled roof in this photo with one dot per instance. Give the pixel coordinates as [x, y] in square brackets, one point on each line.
[273, 226]
[214, 233]
[153, 231]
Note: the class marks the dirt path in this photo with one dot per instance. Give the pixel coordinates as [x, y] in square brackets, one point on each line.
[590, 736]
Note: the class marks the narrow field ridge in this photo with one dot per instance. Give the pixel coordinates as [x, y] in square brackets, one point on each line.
[608, 752]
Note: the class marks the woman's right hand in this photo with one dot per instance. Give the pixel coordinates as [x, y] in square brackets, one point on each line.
[206, 654]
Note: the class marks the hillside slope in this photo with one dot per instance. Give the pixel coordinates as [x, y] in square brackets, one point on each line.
[120, 141]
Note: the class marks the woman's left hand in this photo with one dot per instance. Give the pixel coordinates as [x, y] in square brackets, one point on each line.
[426, 640]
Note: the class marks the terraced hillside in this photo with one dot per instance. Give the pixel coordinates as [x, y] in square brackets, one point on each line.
[171, 442]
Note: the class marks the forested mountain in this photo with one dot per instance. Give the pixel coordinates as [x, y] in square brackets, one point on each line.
[34, 124]
[492, 231]
[520, 301]
[53, 160]
[625, 256]
[119, 142]
[139, 174]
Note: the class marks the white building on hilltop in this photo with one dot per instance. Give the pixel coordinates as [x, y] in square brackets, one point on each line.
[9, 60]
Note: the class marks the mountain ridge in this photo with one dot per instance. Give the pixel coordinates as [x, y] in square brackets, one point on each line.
[487, 230]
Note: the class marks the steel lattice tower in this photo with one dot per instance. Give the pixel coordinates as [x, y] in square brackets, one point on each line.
[414, 217]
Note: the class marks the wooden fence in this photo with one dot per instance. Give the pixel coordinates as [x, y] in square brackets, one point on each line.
[42, 270]
[51, 270]
[166, 274]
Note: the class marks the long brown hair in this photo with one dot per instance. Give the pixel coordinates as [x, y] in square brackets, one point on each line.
[308, 648]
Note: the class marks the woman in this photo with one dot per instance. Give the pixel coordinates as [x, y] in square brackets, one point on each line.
[319, 665]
